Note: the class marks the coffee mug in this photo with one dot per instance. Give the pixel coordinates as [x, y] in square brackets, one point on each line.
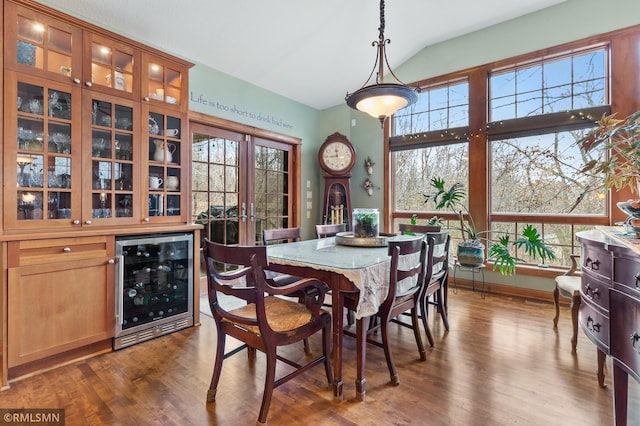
[172, 182]
[155, 182]
[172, 133]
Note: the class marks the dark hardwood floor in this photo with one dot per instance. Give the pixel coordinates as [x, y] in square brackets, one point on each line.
[500, 364]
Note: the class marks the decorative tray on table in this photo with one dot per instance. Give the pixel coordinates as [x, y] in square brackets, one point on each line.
[348, 239]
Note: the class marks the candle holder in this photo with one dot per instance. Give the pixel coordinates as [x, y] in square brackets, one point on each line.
[23, 160]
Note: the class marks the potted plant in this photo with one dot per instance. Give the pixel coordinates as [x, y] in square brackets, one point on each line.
[471, 249]
[621, 168]
[365, 223]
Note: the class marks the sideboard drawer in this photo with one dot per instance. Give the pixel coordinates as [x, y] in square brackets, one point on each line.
[595, 325]
[596, 289]
[39, 252]
[597, 261]
[627, 273]
[625, 331]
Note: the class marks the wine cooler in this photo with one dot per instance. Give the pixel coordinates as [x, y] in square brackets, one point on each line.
[154, 291]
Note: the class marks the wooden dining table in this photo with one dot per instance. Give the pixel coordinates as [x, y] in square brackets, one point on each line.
[345, 269]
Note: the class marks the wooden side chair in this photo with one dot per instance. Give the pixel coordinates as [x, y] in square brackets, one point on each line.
[266, 321]
[407, 228]
[406, 280]
[437, 273]
[280, 235]
[568, 285]
[437, 281]
[324, 231]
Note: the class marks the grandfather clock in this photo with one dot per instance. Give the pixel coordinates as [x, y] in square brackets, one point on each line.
[337, 157]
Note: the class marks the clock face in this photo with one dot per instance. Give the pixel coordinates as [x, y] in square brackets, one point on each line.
[336, 155]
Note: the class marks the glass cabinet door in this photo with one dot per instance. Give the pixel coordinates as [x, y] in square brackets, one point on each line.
[165, 161]
[44, 184]
[111, 143]
[43, 46]
[113, 68]
[163, 83]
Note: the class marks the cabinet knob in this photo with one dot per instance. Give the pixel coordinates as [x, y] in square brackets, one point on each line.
[76, 222]
[146, 99]
[76, 80]
[146, 219]
[67, 249]
[111, 262]
[88, 222]
[88, 84]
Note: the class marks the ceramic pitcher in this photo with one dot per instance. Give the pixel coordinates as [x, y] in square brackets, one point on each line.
[164, 151]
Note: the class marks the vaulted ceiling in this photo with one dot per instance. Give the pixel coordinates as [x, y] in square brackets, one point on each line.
[309, 51]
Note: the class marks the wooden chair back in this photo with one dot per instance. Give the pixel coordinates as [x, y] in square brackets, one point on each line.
[408, 267]
[262, 321]
[438, 268]
[409, 229]
[280, 235]
[324, 231]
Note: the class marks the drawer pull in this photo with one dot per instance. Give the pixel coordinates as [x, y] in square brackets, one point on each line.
[67, 250]
[593, 293]
[593, 326]
[594, 265]
[635, 338]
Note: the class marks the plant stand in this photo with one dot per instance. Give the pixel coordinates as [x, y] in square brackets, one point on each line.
[474, 270]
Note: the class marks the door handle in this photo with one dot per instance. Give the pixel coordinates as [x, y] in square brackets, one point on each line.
[252, 213]
[243, 212]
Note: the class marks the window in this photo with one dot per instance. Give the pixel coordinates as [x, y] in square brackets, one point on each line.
[560, 84]
[430, 139]
[527, 116]
[539, 111]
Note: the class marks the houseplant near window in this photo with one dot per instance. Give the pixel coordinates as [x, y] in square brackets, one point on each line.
[621, 168]
[471, 249]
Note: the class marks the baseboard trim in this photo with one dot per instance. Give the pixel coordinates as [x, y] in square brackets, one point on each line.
[504, 290]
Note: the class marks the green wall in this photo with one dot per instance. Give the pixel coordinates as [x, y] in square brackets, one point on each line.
[221, 95]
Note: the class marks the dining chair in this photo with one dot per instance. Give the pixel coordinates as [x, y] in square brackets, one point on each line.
[265, 321]
[410, 229]
[437, 275]
[568, 285]
[279, 236]
[330, 230]
[406, 280]
[437, 281]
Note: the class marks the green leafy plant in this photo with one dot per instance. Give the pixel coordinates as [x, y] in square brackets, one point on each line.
[453, 199]
[622, 137]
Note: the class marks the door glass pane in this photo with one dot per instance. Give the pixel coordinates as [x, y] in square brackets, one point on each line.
[215, 195]
[271, 188]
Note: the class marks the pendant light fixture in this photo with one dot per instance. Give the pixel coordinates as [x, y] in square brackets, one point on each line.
[381, 100]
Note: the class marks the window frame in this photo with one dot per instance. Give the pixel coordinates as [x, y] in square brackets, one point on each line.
[624, 98]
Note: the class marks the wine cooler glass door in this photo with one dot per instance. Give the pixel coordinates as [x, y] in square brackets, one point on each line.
[155, 286]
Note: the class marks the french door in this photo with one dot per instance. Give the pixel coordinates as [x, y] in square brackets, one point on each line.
[241, 184]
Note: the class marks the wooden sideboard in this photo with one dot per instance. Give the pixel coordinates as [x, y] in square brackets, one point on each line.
[610, 309]
[95, 146]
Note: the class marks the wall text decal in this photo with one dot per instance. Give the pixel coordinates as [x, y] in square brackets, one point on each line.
[259, 116]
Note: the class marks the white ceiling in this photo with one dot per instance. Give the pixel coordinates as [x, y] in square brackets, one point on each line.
[309, 51]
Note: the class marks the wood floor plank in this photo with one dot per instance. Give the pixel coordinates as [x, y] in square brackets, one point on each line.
[502, 363]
